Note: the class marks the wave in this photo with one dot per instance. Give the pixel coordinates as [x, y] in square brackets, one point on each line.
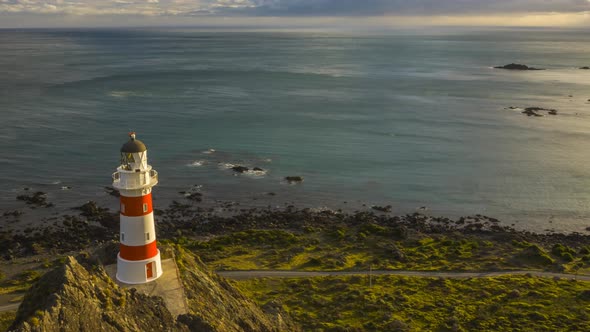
[253, 73]
[256, 173]
[226, 165]
[196, 163]
[126, 94]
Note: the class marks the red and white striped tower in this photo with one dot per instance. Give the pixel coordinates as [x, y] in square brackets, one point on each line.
[138, 260]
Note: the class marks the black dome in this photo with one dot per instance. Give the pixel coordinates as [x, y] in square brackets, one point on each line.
[133, 146]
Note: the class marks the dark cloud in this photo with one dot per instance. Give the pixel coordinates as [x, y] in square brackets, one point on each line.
[402, 7]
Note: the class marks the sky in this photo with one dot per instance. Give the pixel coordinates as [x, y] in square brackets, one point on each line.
[294, 13]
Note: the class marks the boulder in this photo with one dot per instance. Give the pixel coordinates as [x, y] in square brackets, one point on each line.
[585, 68]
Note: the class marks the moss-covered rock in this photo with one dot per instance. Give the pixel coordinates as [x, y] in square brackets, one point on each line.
[75, 298]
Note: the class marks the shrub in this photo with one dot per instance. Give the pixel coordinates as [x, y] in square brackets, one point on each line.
[370, 228]
[585, 295]
[566, 256]
[35, 321]
[522, 244]
[533, 255]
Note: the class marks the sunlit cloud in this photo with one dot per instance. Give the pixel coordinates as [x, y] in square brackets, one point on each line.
[363, 12]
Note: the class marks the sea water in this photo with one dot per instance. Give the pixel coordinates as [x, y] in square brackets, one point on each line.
[416, 120]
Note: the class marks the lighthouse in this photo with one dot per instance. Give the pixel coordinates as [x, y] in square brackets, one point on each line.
[138, 260]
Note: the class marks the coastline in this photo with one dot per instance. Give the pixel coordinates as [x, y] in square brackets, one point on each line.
[63, 202]
[93, 223]
[337, 244]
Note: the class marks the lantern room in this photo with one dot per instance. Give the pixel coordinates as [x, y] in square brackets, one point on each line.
[133, 155]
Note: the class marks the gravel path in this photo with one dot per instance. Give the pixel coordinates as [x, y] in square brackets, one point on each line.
[10, 307]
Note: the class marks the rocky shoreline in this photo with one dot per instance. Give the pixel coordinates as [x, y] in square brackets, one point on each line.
[91, 225]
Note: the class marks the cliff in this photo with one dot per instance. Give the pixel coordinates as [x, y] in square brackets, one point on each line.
[80, 296]
[215, 305]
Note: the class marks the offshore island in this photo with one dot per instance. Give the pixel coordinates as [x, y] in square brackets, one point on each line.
[287, 270]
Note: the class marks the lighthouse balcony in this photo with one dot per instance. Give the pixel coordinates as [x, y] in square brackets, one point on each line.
[129, 180]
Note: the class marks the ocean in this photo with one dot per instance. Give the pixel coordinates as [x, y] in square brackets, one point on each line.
[413, 119]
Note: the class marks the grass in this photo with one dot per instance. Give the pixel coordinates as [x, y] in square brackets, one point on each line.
[6, 319]
[394, 303]
[20, 282]
[365, 246]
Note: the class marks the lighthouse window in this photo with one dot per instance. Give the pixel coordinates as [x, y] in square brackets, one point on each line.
[145, 207]
[147, 236]
[122, 237]
[126, 160]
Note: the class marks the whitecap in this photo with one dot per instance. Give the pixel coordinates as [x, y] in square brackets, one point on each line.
[196, 163]
[121, 94]
[256, 173]
[210, 151]
[226, 165]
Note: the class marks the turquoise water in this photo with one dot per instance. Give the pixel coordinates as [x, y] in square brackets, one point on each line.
[405, 119]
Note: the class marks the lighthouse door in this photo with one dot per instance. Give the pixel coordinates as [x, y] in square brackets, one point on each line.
[149, 270]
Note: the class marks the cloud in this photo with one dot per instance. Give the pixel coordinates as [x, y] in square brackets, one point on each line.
[404, 7]
[297, 7]
[575, 11]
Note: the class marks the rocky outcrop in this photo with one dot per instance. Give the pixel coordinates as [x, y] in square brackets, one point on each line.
[37, 199]
[216, 305]
[534, 111]
[517, 66]
[80, 296]
[77, 298]
[93, 212]
[585, 68]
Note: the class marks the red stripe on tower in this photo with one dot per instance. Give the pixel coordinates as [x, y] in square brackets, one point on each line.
[136, 206]
[137, 253]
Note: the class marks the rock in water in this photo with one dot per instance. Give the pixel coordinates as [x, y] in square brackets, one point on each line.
[534, 111]
[240, 169]
[585, 68]
[294, 179]
[382, 208]
[517, 66]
